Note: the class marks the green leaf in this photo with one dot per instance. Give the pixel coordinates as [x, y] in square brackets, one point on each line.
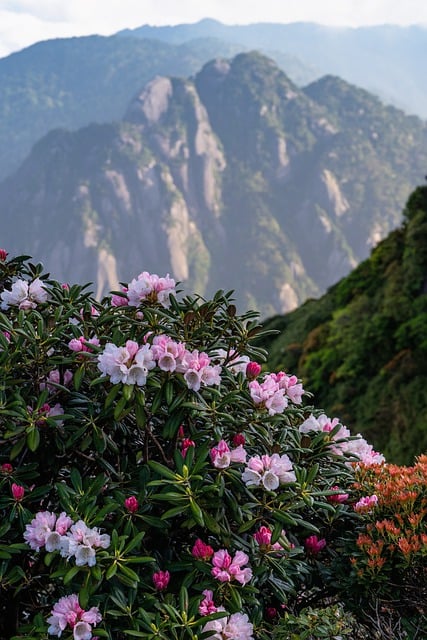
[33, 439]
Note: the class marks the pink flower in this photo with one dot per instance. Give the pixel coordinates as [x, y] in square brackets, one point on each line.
[17, 492]
[268, 471]
[3, 255]
[269, 394]
[119, 301]
[45, 529]
[150, 288]
[23, 295]
[68, 612]
[226, 568]
[236, 627]
[207, 605]
[253, 369]
[202, 551]
[81, 344]
[161, 580]
[129, 364]
[131, 504]
[54, 379]
[6, 467]
[337, 498]
[313, 545]
[263, 538]
[222, 455]
[367, 503]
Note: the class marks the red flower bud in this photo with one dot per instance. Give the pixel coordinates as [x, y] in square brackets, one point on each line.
[131, 504]
[17, 492]
[239, 439]
[253, 369]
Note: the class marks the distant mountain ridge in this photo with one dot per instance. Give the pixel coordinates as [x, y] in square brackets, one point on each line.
[362, 347]
[71, 82]
[387, 60]
[234, 179]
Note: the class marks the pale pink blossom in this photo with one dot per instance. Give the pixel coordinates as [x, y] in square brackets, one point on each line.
[268, 471]
[235, 627]
[225, 568]
[45, 529]
[222, 456]
[269, 394]
[321, 423]
[366, 504]
[24, 295]
[67, 612]
[129, 364]
[150, 288]
[81, 542]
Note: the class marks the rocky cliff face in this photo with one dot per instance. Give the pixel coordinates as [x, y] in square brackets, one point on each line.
[235, 179]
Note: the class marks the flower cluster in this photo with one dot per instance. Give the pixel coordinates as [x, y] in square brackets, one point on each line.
[25, 296]
[151, 288]
[341, 441]
[235, 627]
[275, 391]
[67, 612]
[61, 534]
[222, 456]
[227, 568]
[268, 471]
[130, 364]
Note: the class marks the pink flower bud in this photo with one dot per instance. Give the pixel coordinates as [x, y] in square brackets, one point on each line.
[253, 369]
[271, 612]
[263, 536]
[186, 444]
[161, 580]
[313, 545]
[239, 439]
[17, 492]
[6, 467]
[131, 504]
[3, 255]
[202, 551]
[337, 498]
[65, 286]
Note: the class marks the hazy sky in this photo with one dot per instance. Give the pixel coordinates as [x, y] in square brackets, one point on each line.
[23, 22]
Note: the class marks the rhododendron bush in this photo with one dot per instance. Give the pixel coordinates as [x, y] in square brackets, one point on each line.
[154, 481]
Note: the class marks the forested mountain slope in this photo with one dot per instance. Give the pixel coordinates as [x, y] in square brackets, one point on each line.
[362, 347]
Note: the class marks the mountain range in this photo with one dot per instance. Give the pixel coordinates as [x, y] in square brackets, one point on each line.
[362, 347]
[233, 178]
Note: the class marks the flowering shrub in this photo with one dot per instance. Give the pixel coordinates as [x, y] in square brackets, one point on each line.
[154, 482]
[390, 550]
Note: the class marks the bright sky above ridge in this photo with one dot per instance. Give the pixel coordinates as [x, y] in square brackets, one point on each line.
[23, 22]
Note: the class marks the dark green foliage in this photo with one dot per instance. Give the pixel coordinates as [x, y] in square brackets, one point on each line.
[362, 347]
